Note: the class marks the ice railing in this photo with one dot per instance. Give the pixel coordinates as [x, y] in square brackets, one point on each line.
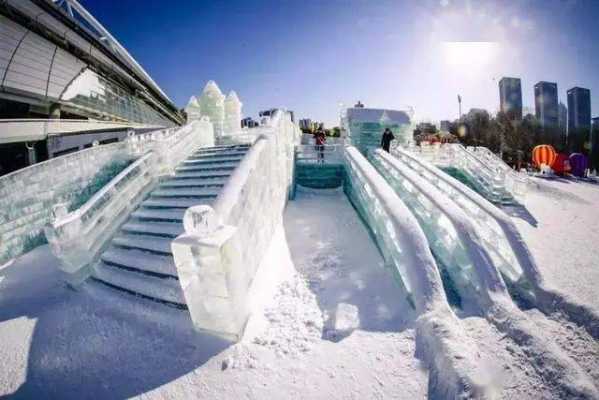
[78, 237]
[246, 136]
[218, 255]
[515, 182]
[509, 251]
[315, 154]
[458, 245]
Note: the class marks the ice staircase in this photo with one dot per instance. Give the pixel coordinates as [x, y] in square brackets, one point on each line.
[139, 259]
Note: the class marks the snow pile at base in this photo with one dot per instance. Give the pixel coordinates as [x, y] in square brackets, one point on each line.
[295, 321]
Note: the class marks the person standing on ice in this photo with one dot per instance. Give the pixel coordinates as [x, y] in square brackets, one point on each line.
[320, 140]
[386, 139]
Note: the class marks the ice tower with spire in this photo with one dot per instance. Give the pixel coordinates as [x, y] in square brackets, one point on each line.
[232, 123]
[212, 105]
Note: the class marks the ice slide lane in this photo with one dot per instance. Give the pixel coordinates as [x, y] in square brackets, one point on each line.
[442, 343]
[498, 230]
[457, 244]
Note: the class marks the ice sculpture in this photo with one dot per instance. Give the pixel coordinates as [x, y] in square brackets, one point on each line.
[441, 341]
[491, 176]
[193, 109]
[218, 255]
[232, 123]
[212, 105]
[77, 238]
[365, 126]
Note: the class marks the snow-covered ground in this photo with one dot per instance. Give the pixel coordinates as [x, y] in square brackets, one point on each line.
[328, 321]
[561, 227]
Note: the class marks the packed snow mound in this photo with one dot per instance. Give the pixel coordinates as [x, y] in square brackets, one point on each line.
[295, 321]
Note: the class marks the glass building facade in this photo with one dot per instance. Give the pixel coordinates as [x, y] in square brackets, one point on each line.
[97, 96]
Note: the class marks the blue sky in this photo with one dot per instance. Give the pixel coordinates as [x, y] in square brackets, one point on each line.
[313, 56]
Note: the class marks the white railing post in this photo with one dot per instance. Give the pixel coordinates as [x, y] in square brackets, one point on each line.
[211, 273]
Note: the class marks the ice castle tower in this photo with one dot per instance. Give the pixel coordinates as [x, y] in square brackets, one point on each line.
[212, 105]
[193, 109]
[232, 123]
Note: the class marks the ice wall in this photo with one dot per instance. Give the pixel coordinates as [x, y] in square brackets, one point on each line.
[28, 195]
[221, 249]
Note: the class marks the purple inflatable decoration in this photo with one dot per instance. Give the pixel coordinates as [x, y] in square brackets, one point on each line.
[578, 164]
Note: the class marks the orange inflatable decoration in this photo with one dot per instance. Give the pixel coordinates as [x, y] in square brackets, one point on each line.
[543, 154]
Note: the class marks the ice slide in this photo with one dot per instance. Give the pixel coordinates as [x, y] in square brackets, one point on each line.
[486, 172]
[506, 245]
[473, 266]
[441, 339]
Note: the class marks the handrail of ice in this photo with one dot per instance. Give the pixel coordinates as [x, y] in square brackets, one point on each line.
[219, 253]
[441, 340]
[499, 230]
[78, 237]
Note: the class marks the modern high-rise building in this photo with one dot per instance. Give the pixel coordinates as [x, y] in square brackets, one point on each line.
[562, 112]
[445, 125]
[510, 97]
[546, 104]
[594, 153]
[579, 117]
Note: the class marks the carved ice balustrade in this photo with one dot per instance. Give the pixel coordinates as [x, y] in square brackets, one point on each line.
[218, 255]
[77, 238]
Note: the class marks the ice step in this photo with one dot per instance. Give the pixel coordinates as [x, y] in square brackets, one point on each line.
[201, 175]
[140, 262]
[154, 244]
[175, 202]
[165, 290]
[223, 153]
[206, 182]
[185, 192]
[213, 160]
[167, 229]
[244, 147]
[150, 214]
[226, 166]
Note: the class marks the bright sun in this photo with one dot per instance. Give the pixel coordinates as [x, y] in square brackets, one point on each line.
[469, 56]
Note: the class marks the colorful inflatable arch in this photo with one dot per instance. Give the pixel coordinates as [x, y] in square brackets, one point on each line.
[543, 154]
[578, 163]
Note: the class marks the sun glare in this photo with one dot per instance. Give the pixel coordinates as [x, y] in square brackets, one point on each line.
[471, 55]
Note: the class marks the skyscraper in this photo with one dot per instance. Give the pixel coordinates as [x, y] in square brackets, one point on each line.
[594, 154]
[510, 97]
[563, 118]
[546, 106]
[579, 117]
